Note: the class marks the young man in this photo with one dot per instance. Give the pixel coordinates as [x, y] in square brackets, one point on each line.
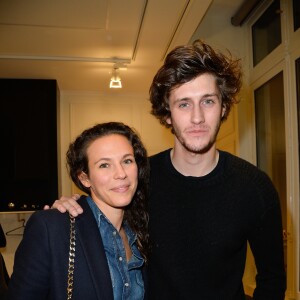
[206, 204]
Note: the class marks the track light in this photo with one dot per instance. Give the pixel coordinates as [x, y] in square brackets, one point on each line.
[115, 81]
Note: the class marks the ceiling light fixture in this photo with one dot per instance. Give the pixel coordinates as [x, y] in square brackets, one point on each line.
[115, 81]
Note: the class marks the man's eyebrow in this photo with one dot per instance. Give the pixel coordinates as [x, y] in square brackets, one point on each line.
[203, 96]
[182, 99]
[211, 95]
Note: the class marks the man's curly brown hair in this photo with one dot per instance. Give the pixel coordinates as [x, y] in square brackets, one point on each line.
[184, 64]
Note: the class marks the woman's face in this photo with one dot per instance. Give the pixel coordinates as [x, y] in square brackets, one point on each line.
[113, 172]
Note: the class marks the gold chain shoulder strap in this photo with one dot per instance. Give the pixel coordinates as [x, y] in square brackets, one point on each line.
[71, 258]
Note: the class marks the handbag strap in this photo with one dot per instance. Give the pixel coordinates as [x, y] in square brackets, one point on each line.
[71, 258]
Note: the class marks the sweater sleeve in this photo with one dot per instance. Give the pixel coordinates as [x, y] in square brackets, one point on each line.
[266, 243]
[30, 278]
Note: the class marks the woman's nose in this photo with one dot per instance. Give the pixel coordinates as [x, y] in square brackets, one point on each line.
[120, 172]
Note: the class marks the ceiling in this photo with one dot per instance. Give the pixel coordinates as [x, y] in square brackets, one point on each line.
[78, 42]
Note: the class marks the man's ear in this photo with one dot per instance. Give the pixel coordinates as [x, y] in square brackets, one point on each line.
[169, 120]
[84, 179]
[223, 110]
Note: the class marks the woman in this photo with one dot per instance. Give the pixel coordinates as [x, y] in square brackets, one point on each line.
[109, 163]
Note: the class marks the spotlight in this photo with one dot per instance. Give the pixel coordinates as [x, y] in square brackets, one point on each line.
[115, 81]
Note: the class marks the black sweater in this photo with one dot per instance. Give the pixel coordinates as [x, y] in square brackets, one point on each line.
[200, 226]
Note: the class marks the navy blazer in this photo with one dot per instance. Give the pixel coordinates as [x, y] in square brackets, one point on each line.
[41, 260]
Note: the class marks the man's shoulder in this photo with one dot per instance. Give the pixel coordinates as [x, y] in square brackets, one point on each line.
[159, 156]
[243, 168]
[234, 160]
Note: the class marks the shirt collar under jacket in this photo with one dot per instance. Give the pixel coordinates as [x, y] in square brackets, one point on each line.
[126, 277]
[100, 217]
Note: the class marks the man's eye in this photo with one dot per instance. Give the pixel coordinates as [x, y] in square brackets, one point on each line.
[208, 102]
[183, 105]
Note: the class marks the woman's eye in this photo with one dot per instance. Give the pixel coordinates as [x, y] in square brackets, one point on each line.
[128, 161]
[102, 166]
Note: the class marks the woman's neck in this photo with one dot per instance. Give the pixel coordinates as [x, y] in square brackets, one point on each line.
[114, 215]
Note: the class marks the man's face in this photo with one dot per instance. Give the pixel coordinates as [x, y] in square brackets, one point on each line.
[196, 112]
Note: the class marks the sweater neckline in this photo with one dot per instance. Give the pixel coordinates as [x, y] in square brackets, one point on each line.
[213, 174]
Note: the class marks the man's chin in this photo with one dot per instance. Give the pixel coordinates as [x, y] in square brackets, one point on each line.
[198, 149]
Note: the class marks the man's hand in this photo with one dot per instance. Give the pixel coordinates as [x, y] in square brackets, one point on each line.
[67, 204]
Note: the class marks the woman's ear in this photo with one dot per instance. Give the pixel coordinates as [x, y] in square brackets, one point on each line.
[84, 179]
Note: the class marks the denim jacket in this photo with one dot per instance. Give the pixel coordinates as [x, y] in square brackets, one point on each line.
[126, 277]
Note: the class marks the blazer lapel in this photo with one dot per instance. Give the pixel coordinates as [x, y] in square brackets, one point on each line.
[91, 243]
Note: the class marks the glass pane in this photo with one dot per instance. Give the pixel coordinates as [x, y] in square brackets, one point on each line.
[266, 32]
[270, 137]
[298, 104]
[296, 14]
[298, 96]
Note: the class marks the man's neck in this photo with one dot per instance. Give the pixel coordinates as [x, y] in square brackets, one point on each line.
[194, 164]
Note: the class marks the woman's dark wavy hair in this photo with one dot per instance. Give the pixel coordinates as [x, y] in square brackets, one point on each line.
[77, 161]
[185, 63]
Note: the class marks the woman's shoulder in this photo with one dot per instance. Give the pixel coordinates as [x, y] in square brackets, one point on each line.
[52, 214]
[51, 218]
